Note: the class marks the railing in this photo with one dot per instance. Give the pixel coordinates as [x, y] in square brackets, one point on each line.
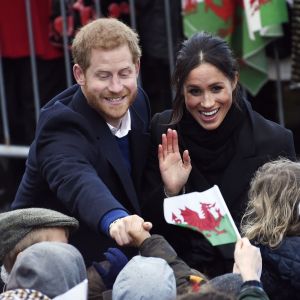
[7, 146]
[7, 149]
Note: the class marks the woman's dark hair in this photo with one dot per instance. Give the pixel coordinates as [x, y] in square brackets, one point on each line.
[201, 48]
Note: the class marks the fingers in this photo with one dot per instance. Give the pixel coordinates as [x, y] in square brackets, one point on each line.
[238, 245]
[160, 153]
[170, 141]
[164, 145]
[186, 159]
[126, 230]
[236, 269]
[175, 141]
[119, 233]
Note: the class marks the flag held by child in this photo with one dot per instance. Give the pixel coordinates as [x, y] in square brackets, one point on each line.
[205, 212]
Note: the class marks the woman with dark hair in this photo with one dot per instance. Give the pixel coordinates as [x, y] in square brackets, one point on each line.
[212, 136]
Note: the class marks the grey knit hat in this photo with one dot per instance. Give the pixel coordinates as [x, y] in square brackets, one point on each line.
[52, 268]
[145, 278]
[16, 224]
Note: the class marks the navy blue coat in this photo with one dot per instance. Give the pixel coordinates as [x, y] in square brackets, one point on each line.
[75, 166]
[281, 269]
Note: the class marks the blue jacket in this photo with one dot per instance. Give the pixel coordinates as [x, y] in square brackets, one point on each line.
[281, 269]
[75, 166]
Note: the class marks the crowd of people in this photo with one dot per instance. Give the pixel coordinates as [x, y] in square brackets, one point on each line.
[99, 169]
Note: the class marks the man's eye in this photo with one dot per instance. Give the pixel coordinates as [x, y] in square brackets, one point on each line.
[102, 75]
[125, 74]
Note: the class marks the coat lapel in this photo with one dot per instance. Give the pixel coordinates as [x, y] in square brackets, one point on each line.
[140, 145]
[110, 149]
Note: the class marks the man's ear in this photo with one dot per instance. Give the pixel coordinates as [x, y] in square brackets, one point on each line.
[137, 67]
[78, 74]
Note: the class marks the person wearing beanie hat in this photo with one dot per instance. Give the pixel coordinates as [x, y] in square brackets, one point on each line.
[23, 227]
[187, 278]
[51, 268]
[145, 278]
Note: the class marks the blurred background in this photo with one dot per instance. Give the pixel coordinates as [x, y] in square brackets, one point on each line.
[35, 60]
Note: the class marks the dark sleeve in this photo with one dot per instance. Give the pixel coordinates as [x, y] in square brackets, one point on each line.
[66, 158]
[252, 290]
[157, 246]
[290, 146]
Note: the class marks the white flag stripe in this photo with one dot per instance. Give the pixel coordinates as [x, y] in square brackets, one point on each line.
[253, 17]
[192, 201]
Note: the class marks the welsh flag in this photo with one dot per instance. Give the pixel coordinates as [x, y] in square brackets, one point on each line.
[205, 212]
[247, 25]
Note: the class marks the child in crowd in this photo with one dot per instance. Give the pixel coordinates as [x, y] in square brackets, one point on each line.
[135, 281]
[272, 222]
[52, 268]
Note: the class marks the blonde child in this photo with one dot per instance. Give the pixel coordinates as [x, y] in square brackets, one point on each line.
[272, 222]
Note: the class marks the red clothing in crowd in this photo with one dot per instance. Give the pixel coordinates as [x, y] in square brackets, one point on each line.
[14, 34]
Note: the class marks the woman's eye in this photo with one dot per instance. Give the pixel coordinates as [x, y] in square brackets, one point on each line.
[216, 89]
[195, 92]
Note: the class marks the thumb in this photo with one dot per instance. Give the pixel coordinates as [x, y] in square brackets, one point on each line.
[147, 226]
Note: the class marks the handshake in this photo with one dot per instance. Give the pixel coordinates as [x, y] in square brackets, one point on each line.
[130, 231]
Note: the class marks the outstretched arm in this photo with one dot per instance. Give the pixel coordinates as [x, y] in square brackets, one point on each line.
[174, 169]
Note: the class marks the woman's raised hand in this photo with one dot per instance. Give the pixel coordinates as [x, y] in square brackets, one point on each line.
[174, 170]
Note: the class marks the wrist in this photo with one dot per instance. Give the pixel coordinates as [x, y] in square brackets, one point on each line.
[169, 194]
[250, 277]
[112, 223]
[252, 283]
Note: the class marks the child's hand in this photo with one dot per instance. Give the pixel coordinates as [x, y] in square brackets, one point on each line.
[130, 231]
[248, 260]
[139, 233]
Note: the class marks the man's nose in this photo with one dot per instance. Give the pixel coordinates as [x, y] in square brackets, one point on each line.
[115, 85]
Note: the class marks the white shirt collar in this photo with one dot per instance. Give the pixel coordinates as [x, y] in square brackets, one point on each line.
[124, 128]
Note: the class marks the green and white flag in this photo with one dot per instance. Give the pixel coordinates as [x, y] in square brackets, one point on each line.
[261, 14]
[247, 25]
[205, 212]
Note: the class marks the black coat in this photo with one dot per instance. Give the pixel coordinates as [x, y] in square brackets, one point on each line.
[259, 140]
[75, 166]
[281, 269]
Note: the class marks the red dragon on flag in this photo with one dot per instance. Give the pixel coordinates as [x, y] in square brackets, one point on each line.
[204, 212]
[207, 223]
[226, 11]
